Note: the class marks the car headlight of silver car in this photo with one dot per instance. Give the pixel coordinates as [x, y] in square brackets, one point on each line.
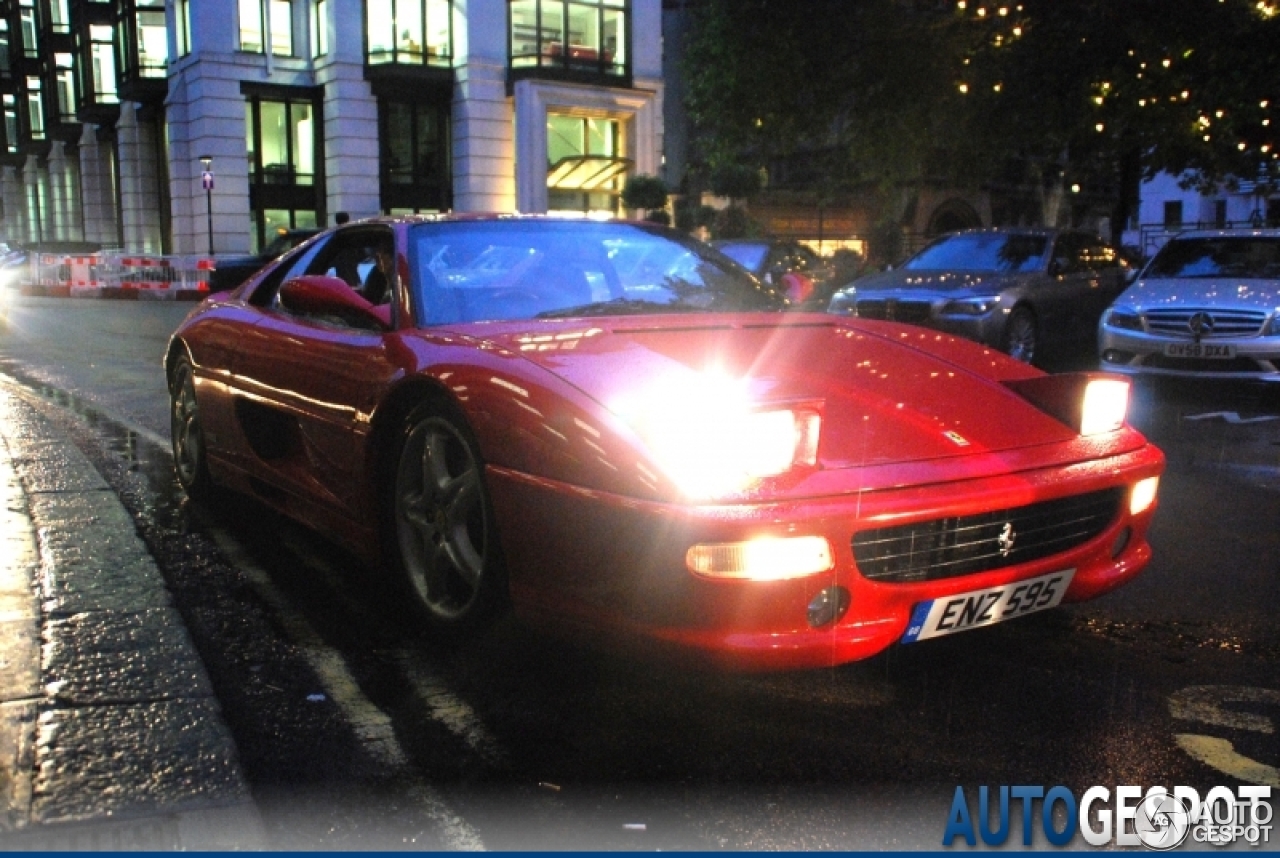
[1123, 318]
[1272, 327]
[976, 306]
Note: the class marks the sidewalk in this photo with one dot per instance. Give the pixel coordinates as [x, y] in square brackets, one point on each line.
[110, 736]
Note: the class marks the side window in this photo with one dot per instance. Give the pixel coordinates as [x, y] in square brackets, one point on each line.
[364, 259]
[1067, 254]
[291, 264]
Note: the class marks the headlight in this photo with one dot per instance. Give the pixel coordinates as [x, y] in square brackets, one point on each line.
[1106, 403]
[1143, 495]
[711, 439]
[1090, 403]
[1272, 328]
[971, 306]
[1123, 318]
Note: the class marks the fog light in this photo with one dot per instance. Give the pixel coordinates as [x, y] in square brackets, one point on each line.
[1143, 495]
[764, 559]
[1121, 543]
[828, 606]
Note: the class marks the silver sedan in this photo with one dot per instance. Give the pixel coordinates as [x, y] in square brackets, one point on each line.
[1207, 305]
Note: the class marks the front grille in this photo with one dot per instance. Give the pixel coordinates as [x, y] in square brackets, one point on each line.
[1226, 323]
[950, 547]
[1237, 364]
[911, 312]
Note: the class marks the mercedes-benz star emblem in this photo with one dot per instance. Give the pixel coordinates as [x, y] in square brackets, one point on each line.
[1005, 539]
[1201, 325]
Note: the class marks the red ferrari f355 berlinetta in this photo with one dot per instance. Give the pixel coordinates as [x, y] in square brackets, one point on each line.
[612, 428]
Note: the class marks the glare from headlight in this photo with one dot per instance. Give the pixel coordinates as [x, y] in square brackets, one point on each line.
[1106, 403]
[764, 559]
[1143, 495]
[711, 440]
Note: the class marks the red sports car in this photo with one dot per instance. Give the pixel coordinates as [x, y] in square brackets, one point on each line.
[610, 428]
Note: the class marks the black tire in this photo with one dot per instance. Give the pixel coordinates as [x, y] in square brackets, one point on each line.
[1021, 338]
[190, 455]
[445, 540]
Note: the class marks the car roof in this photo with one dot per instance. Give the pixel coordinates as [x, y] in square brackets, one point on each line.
[1239, 232]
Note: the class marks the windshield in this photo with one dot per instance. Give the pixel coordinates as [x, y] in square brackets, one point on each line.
[1002, 253]
[524, 269]
[1251, 257]
[749, 256]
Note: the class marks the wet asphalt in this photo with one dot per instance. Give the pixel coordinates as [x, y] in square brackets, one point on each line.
[351, 730]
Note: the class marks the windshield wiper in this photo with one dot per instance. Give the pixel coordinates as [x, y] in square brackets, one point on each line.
[617, 307]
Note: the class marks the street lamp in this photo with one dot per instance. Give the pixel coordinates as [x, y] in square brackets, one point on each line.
[206, 179]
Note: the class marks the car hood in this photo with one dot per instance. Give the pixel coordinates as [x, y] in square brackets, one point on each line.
[1173, 292]
[885, 398]
[952, 284]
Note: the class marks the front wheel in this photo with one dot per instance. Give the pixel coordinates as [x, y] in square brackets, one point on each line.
[190, 456]
[1020, 335]
[445, 537]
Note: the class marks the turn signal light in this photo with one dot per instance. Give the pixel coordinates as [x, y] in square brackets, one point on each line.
[764, 559]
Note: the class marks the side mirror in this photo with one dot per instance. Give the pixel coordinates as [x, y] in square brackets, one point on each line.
[796, 286]
[319, 294]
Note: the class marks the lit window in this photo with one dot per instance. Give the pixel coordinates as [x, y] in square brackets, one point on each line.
[281, 27]
[320, 28]
[583, 35]
[251, 26]
[35, 108]
[102, 61]
[409, 32]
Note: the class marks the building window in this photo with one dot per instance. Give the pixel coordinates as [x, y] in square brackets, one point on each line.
[284, 149]
[6, 68]
[409, 32]
[585, 169]
[64, 85]
[281, 12]
[101, 86]
[59, 16]
[414, 158]
[35, 109]
[1173, 213]
[183, 14]
[320, 28]
[144, 40]
[27, 23]
[11, 133]
[577, 35]
[255, 18]
[251, 28]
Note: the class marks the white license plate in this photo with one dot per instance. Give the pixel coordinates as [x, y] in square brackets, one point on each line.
[965, 611]
[1199, 350]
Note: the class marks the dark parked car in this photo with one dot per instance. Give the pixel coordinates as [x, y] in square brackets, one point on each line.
[772, 259]
[231, 271]
[1023, 291]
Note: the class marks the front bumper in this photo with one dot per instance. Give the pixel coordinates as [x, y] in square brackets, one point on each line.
[613, 568]
[1140, 353]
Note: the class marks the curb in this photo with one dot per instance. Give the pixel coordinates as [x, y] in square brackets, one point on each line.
[110, 735]
[115, 293]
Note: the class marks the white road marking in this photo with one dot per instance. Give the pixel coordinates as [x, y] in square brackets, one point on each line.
[372, 724]
[1232, 417]
[1221, 755]
[1204, 704]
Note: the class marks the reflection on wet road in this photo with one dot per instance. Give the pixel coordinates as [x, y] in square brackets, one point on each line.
[355, 731]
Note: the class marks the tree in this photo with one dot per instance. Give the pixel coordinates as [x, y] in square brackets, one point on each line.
[648, 193]
[1042, 95]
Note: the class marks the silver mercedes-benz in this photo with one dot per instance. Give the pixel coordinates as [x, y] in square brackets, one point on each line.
[1207, 305]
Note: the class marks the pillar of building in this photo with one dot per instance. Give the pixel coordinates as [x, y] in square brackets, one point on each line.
[483, 139]
[17, 226]
[139, 183]
[97, 188]
[35, 181]
[66, 216]
[350, 118]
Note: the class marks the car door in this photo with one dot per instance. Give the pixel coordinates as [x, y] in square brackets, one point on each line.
[1070, 292]
[310, 382]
